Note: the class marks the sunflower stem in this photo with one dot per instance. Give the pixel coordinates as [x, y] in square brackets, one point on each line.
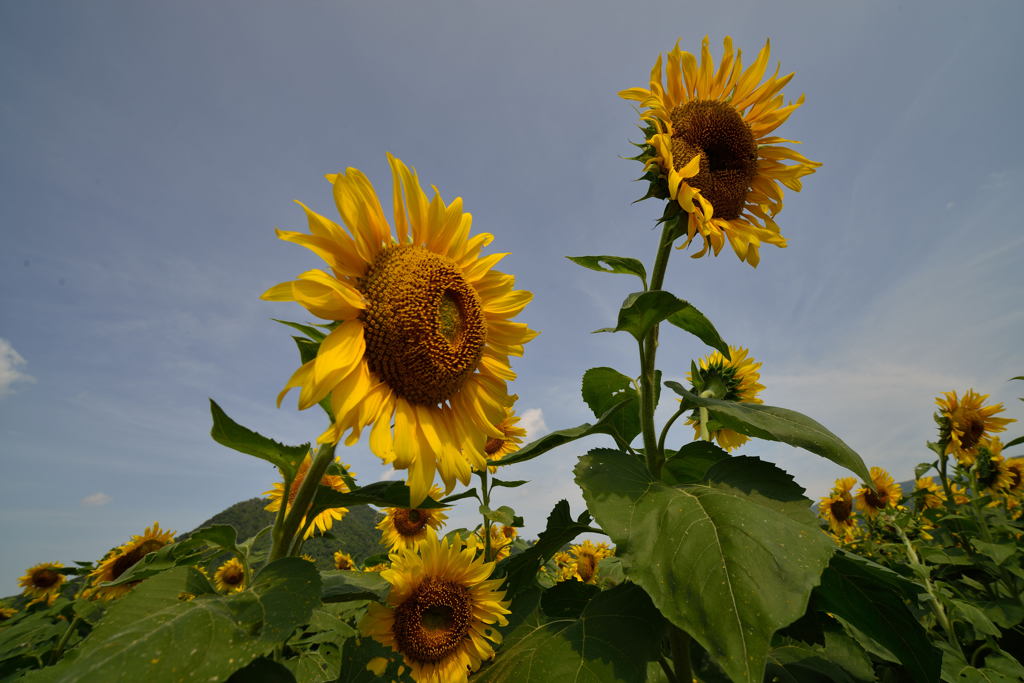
[62, 643]
[303, 499]
[679, 641]
[925, 574]
[648, 350]
[278, 532]
[669, 673]
[485, 494]
[668, 425]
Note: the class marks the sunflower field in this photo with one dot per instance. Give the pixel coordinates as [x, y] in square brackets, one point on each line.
[709, 564]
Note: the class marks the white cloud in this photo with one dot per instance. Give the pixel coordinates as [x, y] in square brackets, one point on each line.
[9, 372]
[532, 421]
[388, 475]
[96, 499]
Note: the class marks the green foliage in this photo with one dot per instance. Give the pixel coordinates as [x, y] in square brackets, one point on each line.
[641, 311]
[612, 264]
[603, 389]
[229, 433]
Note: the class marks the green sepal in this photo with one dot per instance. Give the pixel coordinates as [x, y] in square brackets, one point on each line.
[777, 424]
[229, 433]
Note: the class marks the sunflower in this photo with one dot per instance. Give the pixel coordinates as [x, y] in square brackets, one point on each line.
[1016, 468]
[7, 612]
[708, 146]
[585, 558]
[837, 509]
[732, 379]
[230, 576]
[565, 566]
[325, 519]
[965, 422]
[887, 493]
[42, 582]
[512, 435]
[930, 493]
[121, 559]
[343, 561]
[501, 541]
[376, 568]
[405, 527]
[994, 475]
[441, 612]
[423, 335]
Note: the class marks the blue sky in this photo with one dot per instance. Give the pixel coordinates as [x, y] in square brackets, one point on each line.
[150, 149]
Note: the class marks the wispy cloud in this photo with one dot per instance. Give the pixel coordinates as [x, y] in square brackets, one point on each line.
[96, 499]
[9, 372]
[532, 421]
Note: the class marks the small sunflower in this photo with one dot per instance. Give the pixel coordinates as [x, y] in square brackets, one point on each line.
[960, 496]
[441, 612]
[42, 582]
[729, 379]
[421, 349]
[501, 541]
[405, 527]
[343, 561]
[230, 576]
[837, 509]
[121, 559]
[1016, 468]
[585, 558]
[708, 146]
[376, 568]
[7, 612]
[887, 493]
[994, 475]
[328, 517]
[965, 422]
[565, 566]
[930, 493]
[512, 435]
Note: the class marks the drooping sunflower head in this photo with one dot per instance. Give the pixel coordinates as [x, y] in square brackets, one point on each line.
[585, 558]
[708, 146]
[887, 493]
[230, 576]
[405, 527]
[441, 613]
[731, 379]
[837, 509]
[994, 475]
[424, 328]
[42, 582]
[343, 561]
[496, 448]
[121, 559]
[965, 422]
[929, 494]
[324, 520]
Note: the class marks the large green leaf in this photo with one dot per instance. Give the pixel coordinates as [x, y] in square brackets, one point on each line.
[229, 433]
[288, 590]
[618, 632]
[871, 598]
[643, 310]
[727, 567]
[690, 463]
[345, 586]
[693, 321]
[563, 436]
[777, 424]
[612, 264]
[838, 660]
[763, 482]
[603, 388]
[392, 494]
[561, 529]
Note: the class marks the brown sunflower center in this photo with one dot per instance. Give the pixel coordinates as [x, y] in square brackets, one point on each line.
[842, 508]
[493, 445]
[45, 578]
[128, 560]
[433, 621]
[877, 500]
[409, 522]
[232, 576]
[973, 432]
[342, 563]
[586, 567]
[424, 324]
[728, 164]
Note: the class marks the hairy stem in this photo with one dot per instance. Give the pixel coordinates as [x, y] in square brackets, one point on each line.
[303, 499]
[648, 351]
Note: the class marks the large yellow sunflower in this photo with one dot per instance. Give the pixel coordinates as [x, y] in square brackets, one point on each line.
[729, 379]
[887, 493]
[405, 527]
[42, 582]
[121, 559]
[326, 519]
[709, 142]
[424, 332]
[966, 421]
[441, 612]
[837, 509]
[496, 448]
[230, 576]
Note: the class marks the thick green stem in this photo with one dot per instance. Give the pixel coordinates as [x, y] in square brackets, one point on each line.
[648, 351]
[485, 495]
[303, 499]
[668, 425]
[925, 574]
[62, 643]
[680, 643]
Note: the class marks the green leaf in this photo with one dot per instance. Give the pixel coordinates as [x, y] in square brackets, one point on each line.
[618, 632]
[356, 653]
[390, 494]
[468, 493]
[561, 529]
[263, 670]
[187, 552]
[566, 599]
[998, 552]
[345, 586]
[694, 322]
[563, 436]
[778, 424]
[612, 264]
[603, 388]
[288, 590]
[726, 567]
[839, 660]
[920, 469]
[643, 310]
[764, 482]
[871, 598]
[313, 333]
[508, 484]
[503, 515]
[690, 463]
[1014, 442]
[229, 433]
